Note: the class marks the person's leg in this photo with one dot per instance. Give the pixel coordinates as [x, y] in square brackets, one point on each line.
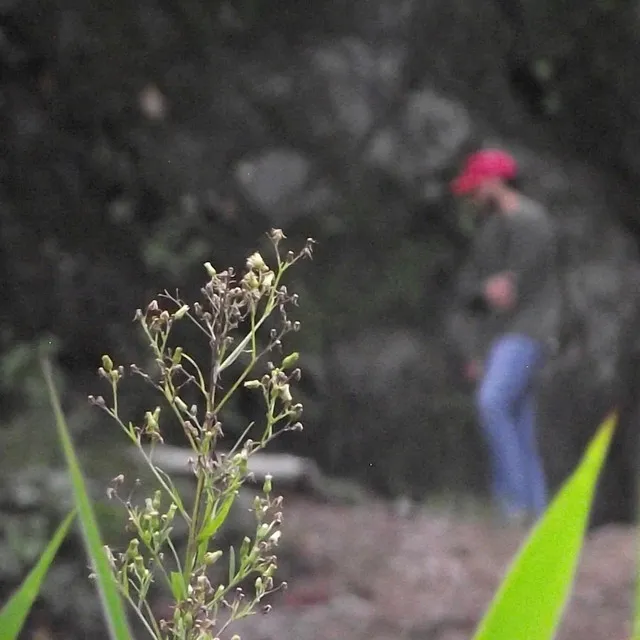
[508, 372]
[535, 476]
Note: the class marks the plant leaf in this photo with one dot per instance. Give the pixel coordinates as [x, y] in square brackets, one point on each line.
[113, 609]
[530, 602]
[232, 564]
[15, 611]
[211, 528]
[178, 586]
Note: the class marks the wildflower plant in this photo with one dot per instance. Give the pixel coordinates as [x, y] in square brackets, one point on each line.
[243, 320]
[233, 313]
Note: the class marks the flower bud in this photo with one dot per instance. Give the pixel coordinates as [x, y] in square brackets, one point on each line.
[285, 394]
[290, 360]
[98, 402]
[107, 363]
[275, 537]
[181, 312]
[251, 280]
[203, 583]
[180, 404]
[252, 384]
[277, 235]
[172, 512]
[133, 547]
[268, 279]
[151, 423]
[211, 272]
[212, 557]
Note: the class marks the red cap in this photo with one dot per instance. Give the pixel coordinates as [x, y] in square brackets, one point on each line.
[484, 165]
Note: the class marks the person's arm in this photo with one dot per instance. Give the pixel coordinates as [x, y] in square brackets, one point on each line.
[530, 255]
[470, 289]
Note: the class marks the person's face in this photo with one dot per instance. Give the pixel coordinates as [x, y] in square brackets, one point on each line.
[476, 202]
[481, 199]
[470, 210]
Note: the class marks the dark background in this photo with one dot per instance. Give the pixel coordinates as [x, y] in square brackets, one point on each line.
[141, 139]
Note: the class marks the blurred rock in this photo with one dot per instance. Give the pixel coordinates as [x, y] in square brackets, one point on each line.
[423, 143]
[281, 184]
[359, 81]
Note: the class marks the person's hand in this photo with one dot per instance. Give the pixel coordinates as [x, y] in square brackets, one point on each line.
[500, 291]
[472, 371]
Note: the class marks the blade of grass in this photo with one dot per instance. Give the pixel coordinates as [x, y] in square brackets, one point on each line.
[112, 604]
[532, 597]
[15, 611]
[635, 635]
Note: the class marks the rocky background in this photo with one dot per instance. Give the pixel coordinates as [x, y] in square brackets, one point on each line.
[141, 139]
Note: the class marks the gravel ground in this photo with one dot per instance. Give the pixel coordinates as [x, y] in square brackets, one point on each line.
[379, 576]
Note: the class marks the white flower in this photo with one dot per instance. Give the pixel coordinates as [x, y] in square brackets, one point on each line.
[256, 262]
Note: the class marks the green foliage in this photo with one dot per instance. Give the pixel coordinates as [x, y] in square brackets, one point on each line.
[636, 614]
[110, 598]
[233, 314]
[531, 599]
[14, 613]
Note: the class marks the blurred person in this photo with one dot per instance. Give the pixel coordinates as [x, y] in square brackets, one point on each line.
[510, 285]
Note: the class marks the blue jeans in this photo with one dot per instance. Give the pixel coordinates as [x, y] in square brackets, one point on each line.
[506, 407]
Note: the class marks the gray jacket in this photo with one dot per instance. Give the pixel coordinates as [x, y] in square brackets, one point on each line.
[525, 244]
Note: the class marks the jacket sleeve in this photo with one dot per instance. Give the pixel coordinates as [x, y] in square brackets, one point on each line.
[469, 292]
[479, 265]
[531, 254]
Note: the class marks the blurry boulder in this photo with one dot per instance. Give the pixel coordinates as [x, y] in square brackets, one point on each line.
[422, 142]
[281, 184]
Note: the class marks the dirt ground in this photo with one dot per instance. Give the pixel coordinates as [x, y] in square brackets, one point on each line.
[429, 576]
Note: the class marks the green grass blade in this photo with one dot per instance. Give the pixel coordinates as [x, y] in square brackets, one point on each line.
[15, 611]
[636, 614]
[532, 597]
[112, 604]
